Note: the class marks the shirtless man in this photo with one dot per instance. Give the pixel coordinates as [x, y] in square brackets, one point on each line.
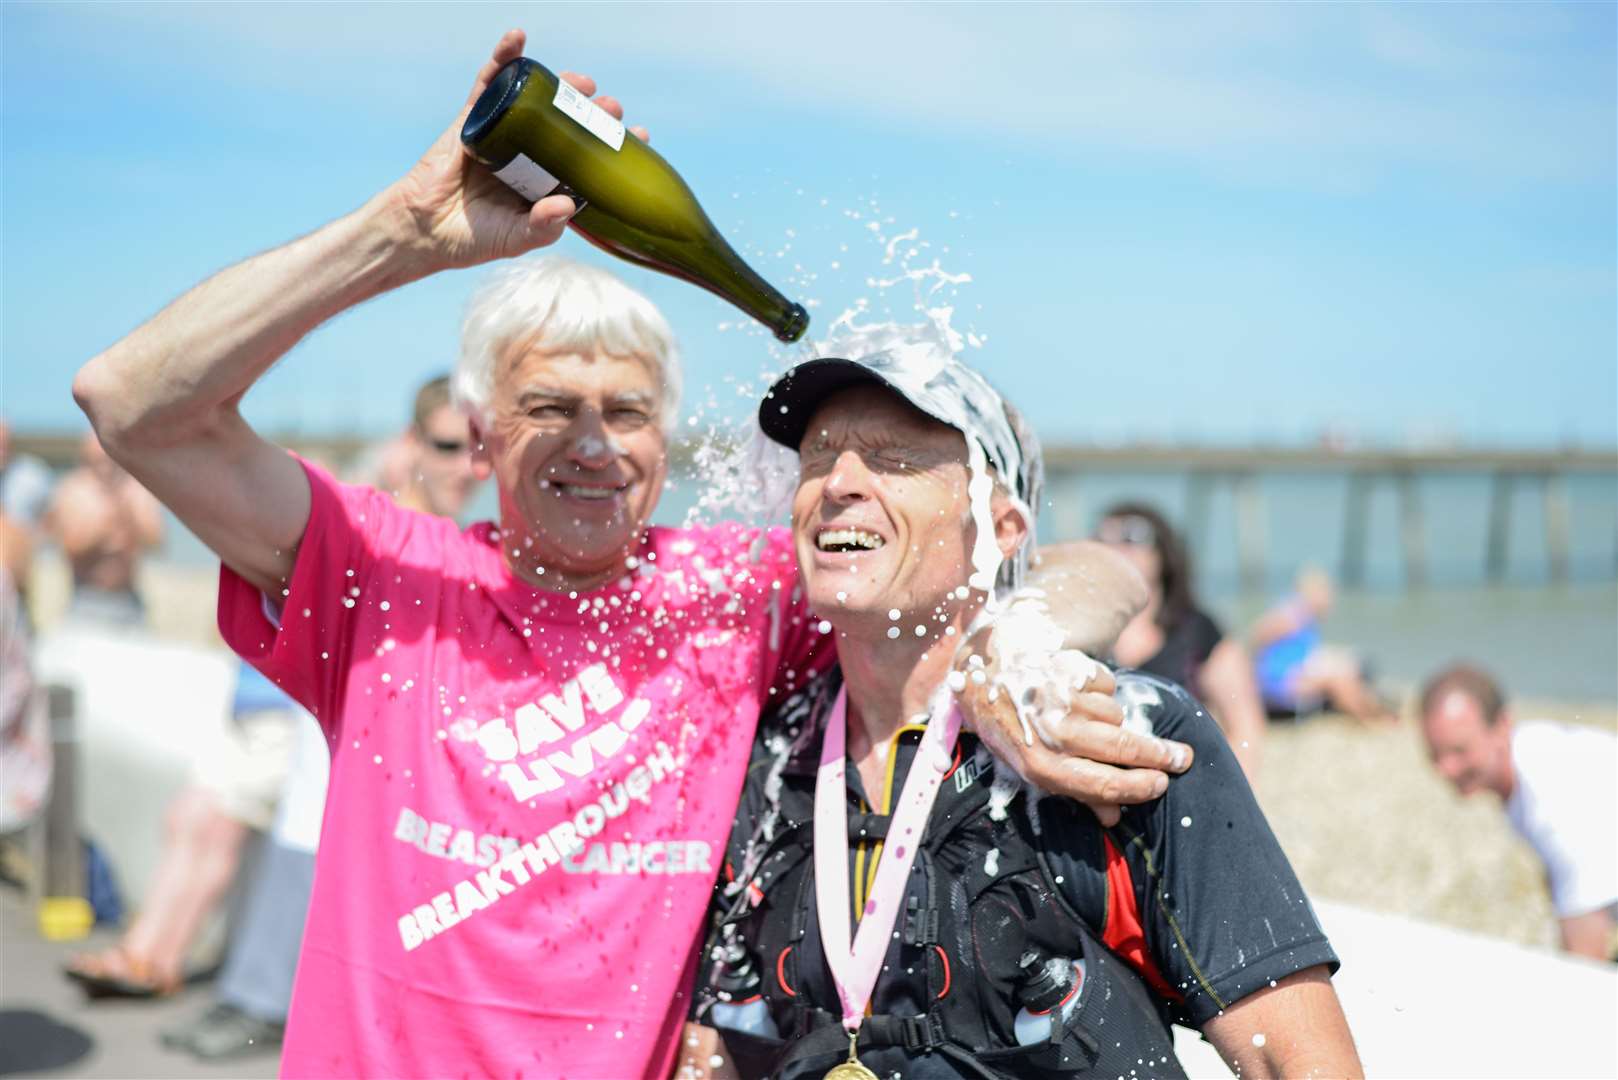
[104, 521]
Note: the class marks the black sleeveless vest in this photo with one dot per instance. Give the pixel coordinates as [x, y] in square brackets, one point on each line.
[982, 894]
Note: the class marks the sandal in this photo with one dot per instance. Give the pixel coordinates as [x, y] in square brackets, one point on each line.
[117, 973]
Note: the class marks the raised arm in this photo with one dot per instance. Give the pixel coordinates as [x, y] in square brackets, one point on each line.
[164, 400]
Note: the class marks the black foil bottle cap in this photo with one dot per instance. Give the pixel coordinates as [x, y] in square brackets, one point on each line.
[793, 325]
[1045, 982]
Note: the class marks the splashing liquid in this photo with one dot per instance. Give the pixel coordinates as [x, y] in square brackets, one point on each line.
[751, 478]
[985, 551]
[755, 478]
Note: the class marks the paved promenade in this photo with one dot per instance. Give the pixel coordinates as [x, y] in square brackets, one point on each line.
[44, 1018]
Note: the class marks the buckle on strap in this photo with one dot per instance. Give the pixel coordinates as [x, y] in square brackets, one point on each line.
[921, 1032]
[921, 924]
[914, 1033]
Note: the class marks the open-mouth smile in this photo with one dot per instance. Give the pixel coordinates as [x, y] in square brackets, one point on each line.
[847, 539]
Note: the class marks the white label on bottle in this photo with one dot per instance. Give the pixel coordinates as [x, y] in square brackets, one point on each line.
[596, 120]
[527, 179]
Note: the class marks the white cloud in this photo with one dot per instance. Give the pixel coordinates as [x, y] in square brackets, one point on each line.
[1326, 96]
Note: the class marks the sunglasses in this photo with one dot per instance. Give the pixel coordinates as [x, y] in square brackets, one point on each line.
[1133, 531]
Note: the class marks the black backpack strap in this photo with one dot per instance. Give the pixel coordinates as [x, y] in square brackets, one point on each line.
[920, 927]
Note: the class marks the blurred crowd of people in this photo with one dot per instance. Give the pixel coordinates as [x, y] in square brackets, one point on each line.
[247, 823]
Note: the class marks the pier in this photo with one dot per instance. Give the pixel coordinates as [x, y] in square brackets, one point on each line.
[1517, 480]
[1240, 470]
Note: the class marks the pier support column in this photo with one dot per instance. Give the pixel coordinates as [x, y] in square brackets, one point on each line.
[1412, 531]
[1500, 491]
[1356, 514]
[1557, 528]
[1250, 538]
[1197, 490]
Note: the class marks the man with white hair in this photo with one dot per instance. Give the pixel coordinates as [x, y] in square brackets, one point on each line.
[538, 730]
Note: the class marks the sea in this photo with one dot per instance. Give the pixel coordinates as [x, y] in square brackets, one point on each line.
[1543, 638]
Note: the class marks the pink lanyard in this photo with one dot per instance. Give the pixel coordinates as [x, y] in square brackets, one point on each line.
[855, 969]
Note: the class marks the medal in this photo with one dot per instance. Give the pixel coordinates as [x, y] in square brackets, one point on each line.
[854, 968]
[851, 1069]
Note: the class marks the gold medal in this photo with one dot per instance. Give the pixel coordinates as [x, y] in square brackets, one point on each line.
[851, 1069]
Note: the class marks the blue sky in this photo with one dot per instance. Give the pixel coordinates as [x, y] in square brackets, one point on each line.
[1224, 223]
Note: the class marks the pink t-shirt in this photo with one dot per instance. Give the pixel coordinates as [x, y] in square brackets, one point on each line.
[530, 790]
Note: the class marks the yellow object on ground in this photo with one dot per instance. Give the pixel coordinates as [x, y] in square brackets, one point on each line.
[65, 918]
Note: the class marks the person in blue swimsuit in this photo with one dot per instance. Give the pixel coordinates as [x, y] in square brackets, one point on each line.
[1298, 672]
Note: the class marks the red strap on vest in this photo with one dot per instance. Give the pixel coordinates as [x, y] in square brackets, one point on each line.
[1124, 934]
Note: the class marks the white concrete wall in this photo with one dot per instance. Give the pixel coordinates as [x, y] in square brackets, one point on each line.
[1428, 1001]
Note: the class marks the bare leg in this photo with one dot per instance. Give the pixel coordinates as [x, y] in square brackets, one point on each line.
[202, 847]
[1334, 674]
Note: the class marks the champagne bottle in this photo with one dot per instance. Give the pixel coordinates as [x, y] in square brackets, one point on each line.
[541, 136]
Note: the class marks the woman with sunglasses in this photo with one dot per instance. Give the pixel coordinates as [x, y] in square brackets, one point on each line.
[1174, 638]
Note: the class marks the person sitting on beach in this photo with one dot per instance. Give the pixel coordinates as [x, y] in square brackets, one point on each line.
[105, 521]
[1297, 672]
[1559, 784]
[1175, 639]
[538, 730]
[997, 935]
[234, 783]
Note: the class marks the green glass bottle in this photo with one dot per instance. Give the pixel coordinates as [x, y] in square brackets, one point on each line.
[541, 136]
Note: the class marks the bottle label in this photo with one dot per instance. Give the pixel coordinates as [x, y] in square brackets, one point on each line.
[592, 117]
[527, 179]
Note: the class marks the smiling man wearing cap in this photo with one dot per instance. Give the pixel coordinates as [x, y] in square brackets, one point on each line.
[892, 901]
